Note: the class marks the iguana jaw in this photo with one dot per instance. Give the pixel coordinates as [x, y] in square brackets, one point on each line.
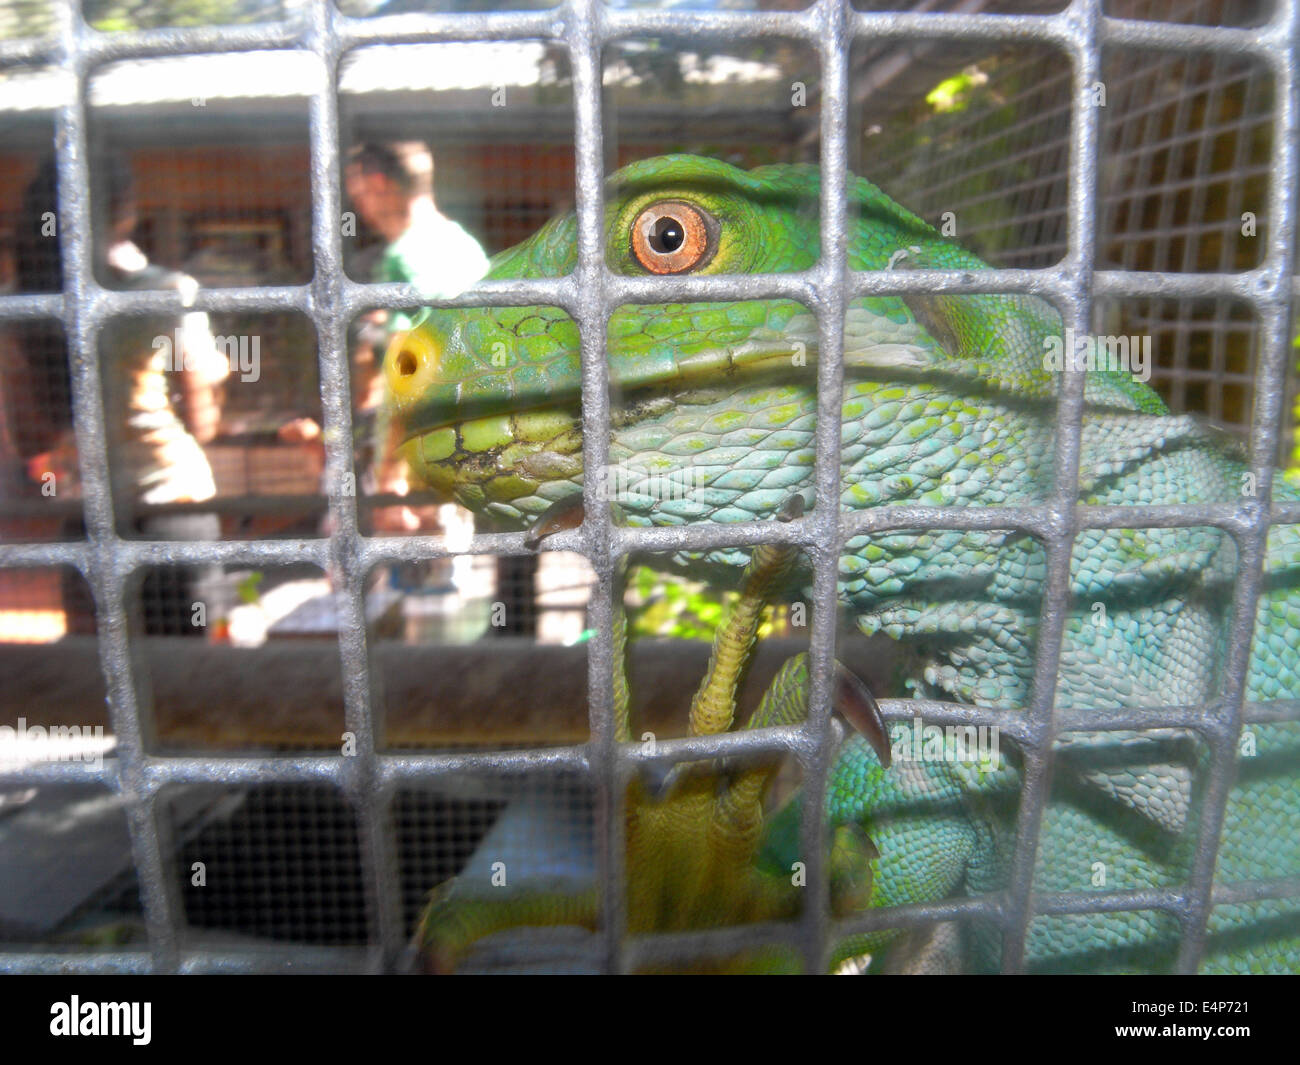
[438, 380]
[502, 434]
[484, 432]
[438, 377]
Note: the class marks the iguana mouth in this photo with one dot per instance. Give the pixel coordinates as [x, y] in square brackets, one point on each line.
[538, 419]
[471, 429]
[519, 458]
[501, 437]
[443, 374]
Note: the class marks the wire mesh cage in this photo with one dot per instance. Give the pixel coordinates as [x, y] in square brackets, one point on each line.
[307, 692]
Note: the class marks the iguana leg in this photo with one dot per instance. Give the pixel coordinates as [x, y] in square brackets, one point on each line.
[697, 837]
[451, 924]
[714, 707]
[692, 846]
[786, 703]
[734, 808]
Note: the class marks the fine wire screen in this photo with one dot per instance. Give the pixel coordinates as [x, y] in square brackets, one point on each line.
[294, 670]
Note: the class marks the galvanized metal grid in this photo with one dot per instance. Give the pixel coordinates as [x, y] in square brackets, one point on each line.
[331, 300]
[1157, 105]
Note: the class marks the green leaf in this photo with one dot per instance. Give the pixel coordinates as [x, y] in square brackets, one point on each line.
[249, 588]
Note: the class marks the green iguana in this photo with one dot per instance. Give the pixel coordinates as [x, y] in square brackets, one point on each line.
[948, 400]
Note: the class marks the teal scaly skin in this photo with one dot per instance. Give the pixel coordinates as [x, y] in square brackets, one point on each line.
[948, 400]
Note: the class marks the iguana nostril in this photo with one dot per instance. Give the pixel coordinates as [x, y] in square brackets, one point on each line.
[412, 363]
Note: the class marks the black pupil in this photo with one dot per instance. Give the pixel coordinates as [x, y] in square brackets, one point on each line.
[667, 235]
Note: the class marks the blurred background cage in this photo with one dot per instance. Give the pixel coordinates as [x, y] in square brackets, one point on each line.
[210, 110]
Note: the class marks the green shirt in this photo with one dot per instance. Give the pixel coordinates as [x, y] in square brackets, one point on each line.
[434, 253]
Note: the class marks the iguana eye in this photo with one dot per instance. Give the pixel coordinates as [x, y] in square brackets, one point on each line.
[672, 237]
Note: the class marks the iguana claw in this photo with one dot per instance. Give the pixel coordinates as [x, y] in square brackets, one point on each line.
[563, 514]
[853, 699]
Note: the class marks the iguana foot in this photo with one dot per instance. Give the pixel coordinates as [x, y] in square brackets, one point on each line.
[693, 841]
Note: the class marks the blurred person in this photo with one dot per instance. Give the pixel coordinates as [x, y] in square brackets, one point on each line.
[161, 400]
[391, 187]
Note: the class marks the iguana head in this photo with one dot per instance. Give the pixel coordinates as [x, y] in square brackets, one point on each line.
[713, 405]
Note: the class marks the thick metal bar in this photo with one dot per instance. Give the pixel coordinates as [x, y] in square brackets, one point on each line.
[583, 23]
[1272, 302]
[227, 960]
[355, 297]
[295, 32]
[361, 771]
[830, 305]
[987, 907]
[102, 568]
[30, 306]
[132, 554]
[1077, 314]
[376, 550]
[29, 51]
[156, 772]
[159, 771]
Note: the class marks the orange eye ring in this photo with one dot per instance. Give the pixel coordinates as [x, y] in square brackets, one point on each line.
[673, 237]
